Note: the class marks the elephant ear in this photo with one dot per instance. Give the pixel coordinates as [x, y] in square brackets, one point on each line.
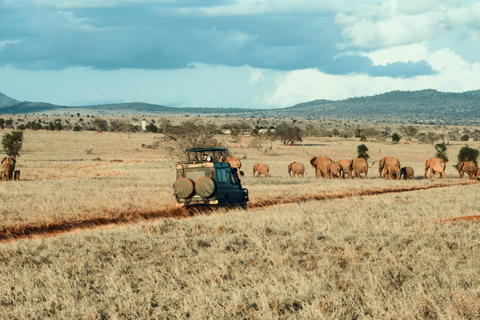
[312, 161]
[3, 159]
[290, 167]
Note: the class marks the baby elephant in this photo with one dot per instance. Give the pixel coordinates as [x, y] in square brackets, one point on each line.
[261, 168]
[407, 173]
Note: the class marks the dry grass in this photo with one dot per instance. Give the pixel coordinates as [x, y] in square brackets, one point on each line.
[370, 257]
[361, 257]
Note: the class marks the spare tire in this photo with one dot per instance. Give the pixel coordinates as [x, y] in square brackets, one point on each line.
[205, 187]
[183, 188]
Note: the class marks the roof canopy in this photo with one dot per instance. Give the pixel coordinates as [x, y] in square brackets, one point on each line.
[210, 149]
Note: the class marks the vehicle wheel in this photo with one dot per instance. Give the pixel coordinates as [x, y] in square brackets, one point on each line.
[183, 188]
[205, 187]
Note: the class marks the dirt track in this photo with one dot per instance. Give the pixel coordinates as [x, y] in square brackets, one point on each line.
[52, 230]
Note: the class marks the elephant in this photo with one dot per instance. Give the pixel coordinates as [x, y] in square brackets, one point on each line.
[346, 167]
[407, 173]
[234, 162]
[390, 167]
[298, 169]
[336, 170]
[467, 167]
[8, 166]
[322, 166]
[477, 173]
[436, 165]
[16, 175]
[360, 165]
[261, 168]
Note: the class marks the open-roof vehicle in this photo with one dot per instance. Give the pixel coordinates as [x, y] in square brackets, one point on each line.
[204, 181]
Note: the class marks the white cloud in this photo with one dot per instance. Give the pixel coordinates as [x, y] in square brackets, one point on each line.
[454, 74]
[5, 43]
[397, 23]
[256, 76]
[412, 52]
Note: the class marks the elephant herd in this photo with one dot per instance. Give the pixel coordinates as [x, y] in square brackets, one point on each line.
[352, 169]
[389, 168]
[8, 169]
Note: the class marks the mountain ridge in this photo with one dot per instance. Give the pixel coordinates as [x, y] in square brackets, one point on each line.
[421, 106]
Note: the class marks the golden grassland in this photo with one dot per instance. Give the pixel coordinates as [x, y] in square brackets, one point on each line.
[383, 256]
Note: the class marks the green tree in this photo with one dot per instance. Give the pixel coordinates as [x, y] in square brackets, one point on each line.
[467, 154]
[77, 128]
[58, 126]
[288, 133]
[12, 143]
[362, 152]
[396, 138]
[464, 137]
[441, 149]
[51, 126]
[2, 123]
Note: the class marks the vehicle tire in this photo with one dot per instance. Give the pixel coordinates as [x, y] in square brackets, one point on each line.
[183, 188]
[205, 187]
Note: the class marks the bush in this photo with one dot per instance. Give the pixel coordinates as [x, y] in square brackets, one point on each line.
[12, 143]
[362, 152]
[464, 137]
[396, 138]
[77, 128]
[467, 154]
[151, 128]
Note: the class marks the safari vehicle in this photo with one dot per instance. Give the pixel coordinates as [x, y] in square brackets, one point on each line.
[204, 181]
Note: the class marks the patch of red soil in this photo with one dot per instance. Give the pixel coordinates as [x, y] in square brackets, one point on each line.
[49, 229]
[466, 218]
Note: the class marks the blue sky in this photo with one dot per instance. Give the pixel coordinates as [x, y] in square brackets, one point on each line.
[234, 53]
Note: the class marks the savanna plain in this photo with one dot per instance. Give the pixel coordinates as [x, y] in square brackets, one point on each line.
[110, 244]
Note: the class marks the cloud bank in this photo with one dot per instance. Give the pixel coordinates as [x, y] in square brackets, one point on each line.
[271, 41]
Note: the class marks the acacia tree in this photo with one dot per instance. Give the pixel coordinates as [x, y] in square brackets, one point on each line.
[410, 132]
[191, 134]
[288, 133]
[12, 143]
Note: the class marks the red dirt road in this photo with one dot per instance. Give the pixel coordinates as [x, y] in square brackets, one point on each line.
[51, 230]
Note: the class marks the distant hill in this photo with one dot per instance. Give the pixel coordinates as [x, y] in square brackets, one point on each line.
[423, 106]
[4, 100]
